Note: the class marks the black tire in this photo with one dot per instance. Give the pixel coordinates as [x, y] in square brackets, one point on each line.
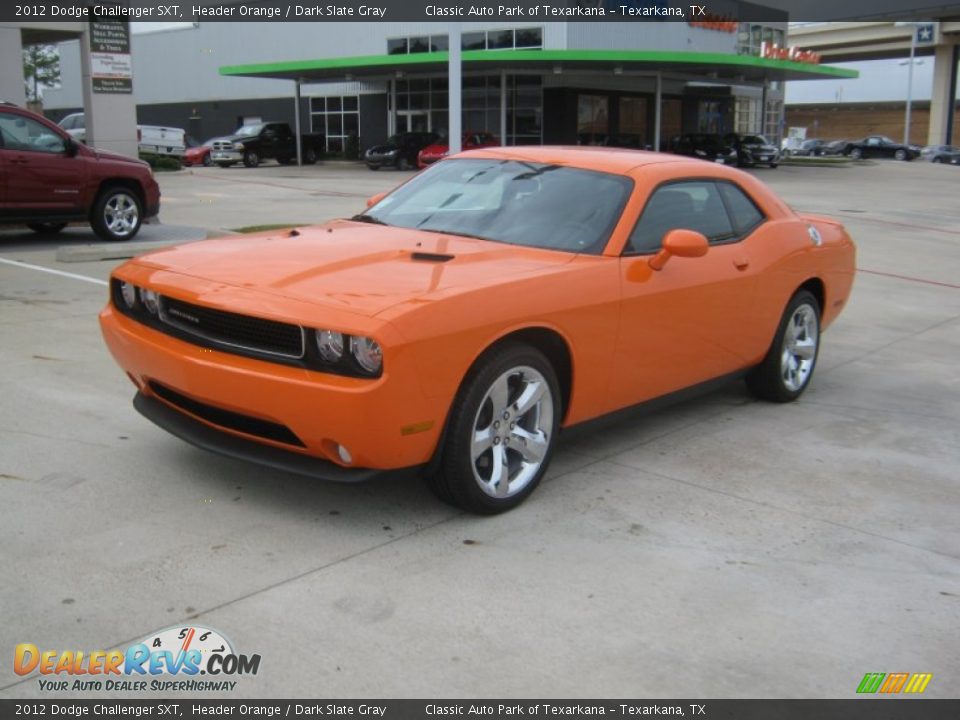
[47, 228]
[309, 156]
[770, 380]
[251, 158]
[117, 214]
[207, 160]
[900, 155]
[773, 166]
[937, 159]
[403, 163]
[856, 153]
[459, 480]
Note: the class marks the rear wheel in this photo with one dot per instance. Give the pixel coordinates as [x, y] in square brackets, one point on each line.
[900, 155]
[117, 214]
[502, 432]
[47, 228]
[788, 367]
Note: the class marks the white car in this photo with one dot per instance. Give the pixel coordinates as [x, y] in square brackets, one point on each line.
[150, 138]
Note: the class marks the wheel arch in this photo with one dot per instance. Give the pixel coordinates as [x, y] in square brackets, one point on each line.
[124, 182]
[549, 341]
[815, 287]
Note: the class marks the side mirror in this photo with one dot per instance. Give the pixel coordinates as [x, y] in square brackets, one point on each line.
[71, 147]
[371, 201]
[682, 243]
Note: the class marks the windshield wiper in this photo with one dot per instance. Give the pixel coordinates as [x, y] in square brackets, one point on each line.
[367, 219]
[457, 234]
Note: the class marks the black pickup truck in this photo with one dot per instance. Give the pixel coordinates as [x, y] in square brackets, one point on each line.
[252, 144]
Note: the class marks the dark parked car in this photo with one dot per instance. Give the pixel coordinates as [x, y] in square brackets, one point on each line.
[252, 144]
[879, 146]
[809, 148]
[834, 147]
[942, 154]
[48, 179]
[704, 146]
[400, 151]
[753, 150]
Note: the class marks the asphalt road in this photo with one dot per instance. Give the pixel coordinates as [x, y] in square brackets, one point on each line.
[719, 548]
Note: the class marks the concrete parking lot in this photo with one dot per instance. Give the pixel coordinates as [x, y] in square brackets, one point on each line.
[722, 547]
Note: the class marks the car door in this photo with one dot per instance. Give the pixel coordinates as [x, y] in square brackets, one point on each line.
[692, 320]
[43, 176]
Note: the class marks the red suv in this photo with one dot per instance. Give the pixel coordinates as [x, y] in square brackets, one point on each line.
[47, 179]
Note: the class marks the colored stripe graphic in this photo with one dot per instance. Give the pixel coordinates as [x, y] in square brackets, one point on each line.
[871, 682]
[894, 682]
[918, 682]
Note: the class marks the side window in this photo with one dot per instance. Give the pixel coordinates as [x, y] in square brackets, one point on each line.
[744, 213]
[694, 205]
[20, 133]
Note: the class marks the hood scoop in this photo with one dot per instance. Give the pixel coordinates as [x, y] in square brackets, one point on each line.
[431, 257]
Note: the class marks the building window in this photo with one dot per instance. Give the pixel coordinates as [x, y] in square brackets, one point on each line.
[751, 37]
[747, 116]
[593, 113]
[337, 117]
[506, 39]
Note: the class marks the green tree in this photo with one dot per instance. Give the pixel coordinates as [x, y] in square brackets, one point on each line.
[41, 68]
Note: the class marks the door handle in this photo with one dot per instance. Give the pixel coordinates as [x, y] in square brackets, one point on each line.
[741, 263]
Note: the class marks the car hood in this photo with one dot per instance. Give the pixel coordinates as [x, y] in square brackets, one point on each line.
[759, 147]
[357, 267]
[107, 156]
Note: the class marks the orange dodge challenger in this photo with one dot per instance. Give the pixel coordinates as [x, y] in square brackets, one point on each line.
[462, 320]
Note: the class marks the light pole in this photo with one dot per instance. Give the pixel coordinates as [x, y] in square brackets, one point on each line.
[913, 51]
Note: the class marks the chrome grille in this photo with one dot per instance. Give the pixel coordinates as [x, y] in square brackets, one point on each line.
[223, 145]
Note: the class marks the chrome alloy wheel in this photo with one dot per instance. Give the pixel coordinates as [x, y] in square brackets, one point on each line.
[121, 214]
[799, 351]
[511, 432]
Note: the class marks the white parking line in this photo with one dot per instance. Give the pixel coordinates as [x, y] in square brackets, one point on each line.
[17, 263]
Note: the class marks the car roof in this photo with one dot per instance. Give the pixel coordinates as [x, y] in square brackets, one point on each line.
[616, 160]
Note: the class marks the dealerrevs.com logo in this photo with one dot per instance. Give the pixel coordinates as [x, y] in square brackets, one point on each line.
[169, 660]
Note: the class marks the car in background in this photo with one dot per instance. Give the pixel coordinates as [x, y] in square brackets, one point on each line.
[470, 141]
[458, 323]
[704, 146]
[400, 151]
[252, 144]
[48, 179]
[151, 139]
[880, 146]
[941, 154]
[198, 153]
[834, 147]
[808, 148]
[753, 150]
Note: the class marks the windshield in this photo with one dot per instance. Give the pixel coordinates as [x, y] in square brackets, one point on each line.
[756, 140]
[248, 130]
[520, 203]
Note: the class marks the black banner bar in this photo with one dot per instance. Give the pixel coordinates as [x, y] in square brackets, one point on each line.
[704, 11]
[855, 709]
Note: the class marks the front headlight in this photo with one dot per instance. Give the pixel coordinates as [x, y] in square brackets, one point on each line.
[330, 345]
[366, 351]
[238, 146]
[391, 152]
[129, 294]
[150, 300]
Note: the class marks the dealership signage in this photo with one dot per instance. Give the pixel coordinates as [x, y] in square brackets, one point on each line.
[111, 67]
[795, 54]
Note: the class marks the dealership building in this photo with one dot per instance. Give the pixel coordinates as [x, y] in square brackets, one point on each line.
[633, 84]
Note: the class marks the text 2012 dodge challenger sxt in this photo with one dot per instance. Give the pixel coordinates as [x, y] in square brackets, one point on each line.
[464, 318]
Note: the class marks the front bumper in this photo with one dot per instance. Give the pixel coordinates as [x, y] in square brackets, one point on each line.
[385, 423]
[208, 438]
[226, 156]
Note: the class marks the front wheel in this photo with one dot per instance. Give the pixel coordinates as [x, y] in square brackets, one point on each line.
[788, 367]
[502, 432]
[856, 154]
[937, 159]
[251, 159]
[207, 160]
[309, 156]
[900, 155]
[117, 214]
